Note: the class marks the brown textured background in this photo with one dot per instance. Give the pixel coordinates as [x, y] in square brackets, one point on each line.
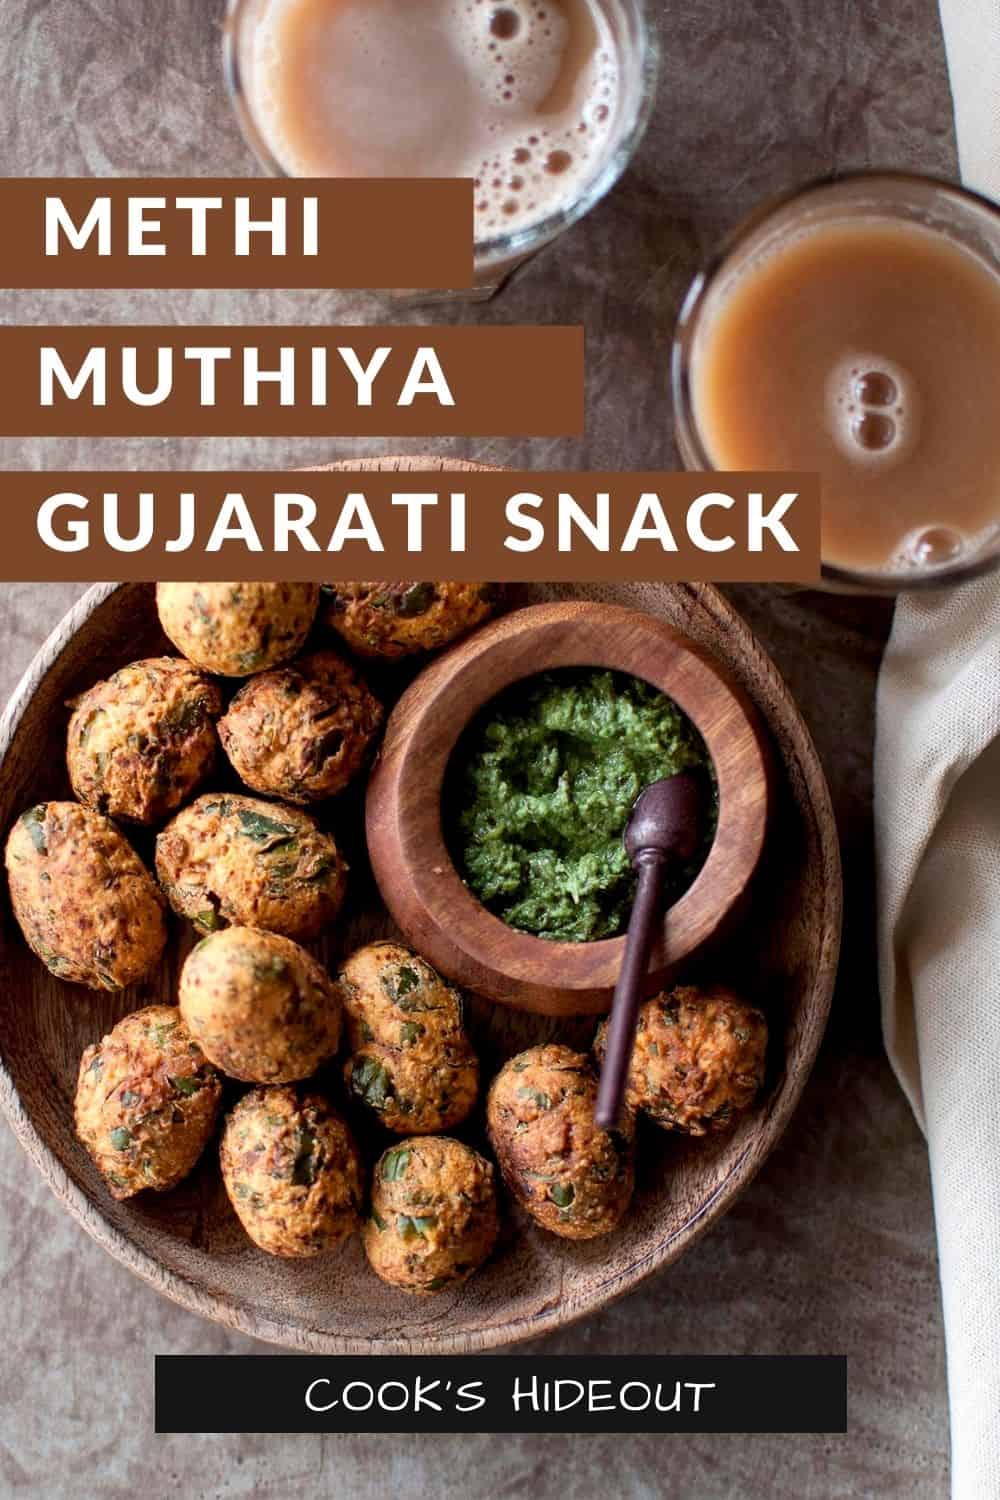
[832, 1249]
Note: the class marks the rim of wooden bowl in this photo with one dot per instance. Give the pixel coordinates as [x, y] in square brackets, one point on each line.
[407, 844]
[773, 1120]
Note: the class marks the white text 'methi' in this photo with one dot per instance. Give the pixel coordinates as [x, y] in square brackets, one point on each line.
[208, 219]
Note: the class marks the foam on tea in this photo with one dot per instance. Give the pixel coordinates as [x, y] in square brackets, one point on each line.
[521, 95]
[874, 409]
[868, 352]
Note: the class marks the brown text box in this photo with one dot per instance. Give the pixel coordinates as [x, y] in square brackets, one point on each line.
[379, 232]
[510, 381]
[64, 526]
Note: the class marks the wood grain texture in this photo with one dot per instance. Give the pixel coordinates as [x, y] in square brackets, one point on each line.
[406, 841]
[188, 1244]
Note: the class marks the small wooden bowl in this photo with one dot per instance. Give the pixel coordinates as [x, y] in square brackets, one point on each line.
[406, 842]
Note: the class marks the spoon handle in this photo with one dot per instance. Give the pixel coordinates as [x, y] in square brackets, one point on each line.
[651, 866]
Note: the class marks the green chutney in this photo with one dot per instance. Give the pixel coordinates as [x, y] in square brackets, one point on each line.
[541, 787]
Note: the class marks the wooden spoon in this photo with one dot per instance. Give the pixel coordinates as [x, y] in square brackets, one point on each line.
[664, 827]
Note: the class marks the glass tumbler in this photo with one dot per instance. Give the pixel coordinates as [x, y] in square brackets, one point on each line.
[496, 254]
[963, 219]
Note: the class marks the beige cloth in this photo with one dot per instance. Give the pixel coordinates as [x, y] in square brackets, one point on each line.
[937, 780]
[972, 38]
[937, 817]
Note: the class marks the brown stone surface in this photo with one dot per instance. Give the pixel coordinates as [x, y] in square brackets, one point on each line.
[832, 1248]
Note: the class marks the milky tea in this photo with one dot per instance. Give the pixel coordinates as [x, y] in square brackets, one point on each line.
[524, 96]
[867, 350]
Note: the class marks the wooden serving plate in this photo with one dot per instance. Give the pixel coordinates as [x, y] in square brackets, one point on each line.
[422, 889]
[188, 1243]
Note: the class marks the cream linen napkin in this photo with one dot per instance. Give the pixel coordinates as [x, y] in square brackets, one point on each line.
[972, 38]
[937, 815]
[937, 826]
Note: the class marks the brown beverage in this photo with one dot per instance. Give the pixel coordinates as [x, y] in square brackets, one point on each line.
[867, 349]
[521, 95]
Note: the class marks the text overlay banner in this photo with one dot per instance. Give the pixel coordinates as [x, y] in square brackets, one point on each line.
[495, 525]
[234, 232]
[506, 1393]
[512, 381]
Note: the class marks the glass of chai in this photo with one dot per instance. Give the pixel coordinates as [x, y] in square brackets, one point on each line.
[541, 102]
[853, 329]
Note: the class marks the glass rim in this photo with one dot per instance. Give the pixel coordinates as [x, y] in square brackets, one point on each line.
[693, 449]
[497, 247]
